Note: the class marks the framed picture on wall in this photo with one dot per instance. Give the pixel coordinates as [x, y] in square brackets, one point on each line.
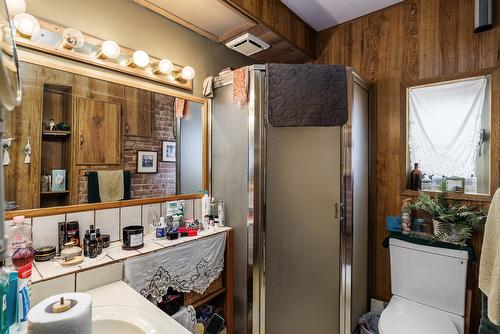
[168, 149]
[147, 162]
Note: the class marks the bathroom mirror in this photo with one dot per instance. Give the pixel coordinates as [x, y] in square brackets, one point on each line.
[70, 128]
[449, 132]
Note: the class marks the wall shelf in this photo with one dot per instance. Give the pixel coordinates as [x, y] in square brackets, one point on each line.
[451, 195]
[56, 133]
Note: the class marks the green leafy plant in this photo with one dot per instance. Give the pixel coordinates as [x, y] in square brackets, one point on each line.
[456, 221]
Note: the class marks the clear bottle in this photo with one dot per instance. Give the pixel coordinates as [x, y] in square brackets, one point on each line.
[426, 183]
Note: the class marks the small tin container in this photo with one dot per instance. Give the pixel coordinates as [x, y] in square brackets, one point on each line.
[105, 240]
[44, 254]
[133, 237]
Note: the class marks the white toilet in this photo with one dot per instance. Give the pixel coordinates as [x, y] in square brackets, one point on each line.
[428, 287]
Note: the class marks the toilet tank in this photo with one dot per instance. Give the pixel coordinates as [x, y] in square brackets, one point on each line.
[431, 276]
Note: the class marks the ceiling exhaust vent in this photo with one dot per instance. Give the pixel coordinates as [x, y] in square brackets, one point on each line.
[247, 44]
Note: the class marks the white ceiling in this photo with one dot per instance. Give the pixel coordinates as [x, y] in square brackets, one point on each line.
[322, 14]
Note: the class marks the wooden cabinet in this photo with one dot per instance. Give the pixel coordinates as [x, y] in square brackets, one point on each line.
[138, 114]
[99, 132]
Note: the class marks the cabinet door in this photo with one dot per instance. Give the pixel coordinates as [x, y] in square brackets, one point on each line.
[99, 131]
[138, 115]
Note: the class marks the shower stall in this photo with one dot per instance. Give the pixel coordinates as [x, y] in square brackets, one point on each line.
[298, 200]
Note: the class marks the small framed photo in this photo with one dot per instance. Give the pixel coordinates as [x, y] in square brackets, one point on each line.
[455, 184]
[147, 162]
[168, 149]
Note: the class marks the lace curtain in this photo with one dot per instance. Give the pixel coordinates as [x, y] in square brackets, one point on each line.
[445, 124]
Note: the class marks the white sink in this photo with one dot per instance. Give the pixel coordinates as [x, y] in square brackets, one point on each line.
[125, 319]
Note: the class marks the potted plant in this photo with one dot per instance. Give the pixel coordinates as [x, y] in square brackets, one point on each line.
[452, 220]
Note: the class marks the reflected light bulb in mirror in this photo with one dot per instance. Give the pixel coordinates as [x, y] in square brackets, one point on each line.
[187, 73]
[26, 24]
[139, 59]
[15, 6]
[109, 50]
[165, 66]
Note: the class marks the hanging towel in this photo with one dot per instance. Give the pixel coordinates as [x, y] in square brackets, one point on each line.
[181, 108]
[208, 85]
[307, 95]
[93, 187]
[110, 185]
[489, 269]
[486, 327]
[240, 86]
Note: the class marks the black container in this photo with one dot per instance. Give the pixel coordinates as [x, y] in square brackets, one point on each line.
[46, 253]
[133, 237]
[172, 235]
[105, 240]
[73, 233]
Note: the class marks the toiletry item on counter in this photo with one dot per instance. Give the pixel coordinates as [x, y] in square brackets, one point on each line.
[105, 240]
[426, 183]
[72, 261]
[4, 293]
[221, 214]
[205, 204]
[71, 250]
[176, 211]
[187, 232]
[12, 299]
[161, 229]
[86, 243]
[133, 237]
[172, 234]
[46, 253]
[61, 236]
[405, 223]
[73, 233]
[99, 240]
[63, 313]
[93, 246]
[415, 178]
[471, 185]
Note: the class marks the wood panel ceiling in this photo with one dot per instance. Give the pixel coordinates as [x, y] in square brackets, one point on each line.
[291, 39]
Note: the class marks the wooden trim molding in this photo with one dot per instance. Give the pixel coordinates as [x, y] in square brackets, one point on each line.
[96, 206]
[60, 51]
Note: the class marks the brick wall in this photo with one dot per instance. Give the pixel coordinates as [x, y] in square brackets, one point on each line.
[148, 185]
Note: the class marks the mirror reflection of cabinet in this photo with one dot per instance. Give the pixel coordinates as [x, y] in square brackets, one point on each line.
[138, 115]
[98, 132]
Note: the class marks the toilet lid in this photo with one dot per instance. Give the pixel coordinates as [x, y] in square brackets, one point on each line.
[405, 317]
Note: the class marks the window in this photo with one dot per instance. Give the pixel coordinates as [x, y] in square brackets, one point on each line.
[448, 130]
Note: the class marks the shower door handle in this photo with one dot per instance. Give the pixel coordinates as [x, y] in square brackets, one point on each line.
[339, 211]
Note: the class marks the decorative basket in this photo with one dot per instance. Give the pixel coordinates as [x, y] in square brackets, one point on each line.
[192, 297]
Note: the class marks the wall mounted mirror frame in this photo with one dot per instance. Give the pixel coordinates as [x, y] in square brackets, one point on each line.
[52, 62]
[493, 135]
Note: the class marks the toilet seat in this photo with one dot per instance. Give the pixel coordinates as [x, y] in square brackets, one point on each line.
[406, 317]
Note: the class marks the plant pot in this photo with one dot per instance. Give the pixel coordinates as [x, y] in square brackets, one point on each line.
[454, 237]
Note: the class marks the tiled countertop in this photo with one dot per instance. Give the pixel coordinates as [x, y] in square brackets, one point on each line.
[48, 270]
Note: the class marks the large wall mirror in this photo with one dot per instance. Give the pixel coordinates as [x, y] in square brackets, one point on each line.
[449, 132]
[78, 139]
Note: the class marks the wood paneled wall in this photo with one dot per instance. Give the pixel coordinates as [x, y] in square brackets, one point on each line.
[408, 42]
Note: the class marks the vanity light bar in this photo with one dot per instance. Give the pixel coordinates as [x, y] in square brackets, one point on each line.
[109, 53]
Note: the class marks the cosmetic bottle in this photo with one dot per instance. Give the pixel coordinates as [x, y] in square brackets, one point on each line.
[4, 289]
[205, 205]
[93, 246]
[470, 185]
[99, 240]
[86, 243]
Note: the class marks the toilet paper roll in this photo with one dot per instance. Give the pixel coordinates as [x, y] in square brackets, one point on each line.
[77, 320]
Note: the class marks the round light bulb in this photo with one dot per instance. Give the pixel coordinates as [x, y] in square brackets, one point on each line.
[165, 66]
[26, 24]
[110, 49]
[140, 58]
[187, 73]
[16, 6]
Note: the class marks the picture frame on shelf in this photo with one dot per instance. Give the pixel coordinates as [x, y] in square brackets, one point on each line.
[147, 162]
[169, 151]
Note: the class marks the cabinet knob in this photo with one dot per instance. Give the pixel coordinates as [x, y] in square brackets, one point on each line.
[126, 128]
[81, 139]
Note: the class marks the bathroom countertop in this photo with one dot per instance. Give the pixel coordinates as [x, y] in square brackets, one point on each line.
[119, 293]
[48, 270]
